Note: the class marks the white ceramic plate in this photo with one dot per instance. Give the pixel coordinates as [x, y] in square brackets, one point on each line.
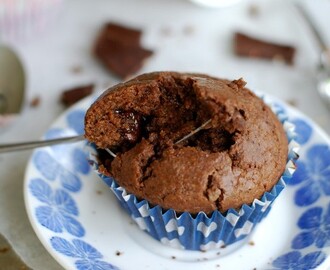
[78, 220]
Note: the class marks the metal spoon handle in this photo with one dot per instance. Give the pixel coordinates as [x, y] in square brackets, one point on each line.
[325, 52]
[322, 44]
[4, 148]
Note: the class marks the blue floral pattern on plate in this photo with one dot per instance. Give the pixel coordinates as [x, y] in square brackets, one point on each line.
[294, 260]
[313, 174]
[312, 179]
[59, 211]
[315, 226]
[303, 129]
[57, 181]
[87, 257]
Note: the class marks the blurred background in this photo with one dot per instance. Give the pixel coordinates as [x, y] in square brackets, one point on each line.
[56, 41]
[69, 48]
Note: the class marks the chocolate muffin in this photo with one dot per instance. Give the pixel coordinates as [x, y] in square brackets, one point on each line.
[239, 155]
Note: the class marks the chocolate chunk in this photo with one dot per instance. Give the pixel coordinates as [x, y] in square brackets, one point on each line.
[255, 48]
[119, 49]
[75, 94]
[131, 126]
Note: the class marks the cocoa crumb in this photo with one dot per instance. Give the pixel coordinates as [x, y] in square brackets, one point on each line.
[292, 102]
[188, 30]
[251, 243]
[223, 246]
[4, 249]
[173, 257]
[98, 192]
[218, 253]
[118, 253]
[254, 11]
[76, 69]
[165, 31]
[218, 265]
[35, 102]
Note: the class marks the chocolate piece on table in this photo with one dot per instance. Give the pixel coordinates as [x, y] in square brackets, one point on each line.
[251, 47]
[119, 49]
[75, 94]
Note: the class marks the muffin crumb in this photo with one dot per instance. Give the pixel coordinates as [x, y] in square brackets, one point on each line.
[254, 10]
[4, 249]
[119, 253]
[77, 69]
[165, 31]
[35, 102]
[292, 102]
[188, 30]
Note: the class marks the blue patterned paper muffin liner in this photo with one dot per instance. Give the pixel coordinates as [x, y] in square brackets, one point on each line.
[203, 232]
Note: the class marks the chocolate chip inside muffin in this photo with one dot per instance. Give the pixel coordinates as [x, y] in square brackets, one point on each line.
[234, 159]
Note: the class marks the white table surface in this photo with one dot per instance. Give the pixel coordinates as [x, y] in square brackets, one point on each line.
[49, 59]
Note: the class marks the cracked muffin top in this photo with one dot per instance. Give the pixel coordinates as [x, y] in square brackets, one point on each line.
[234, 159]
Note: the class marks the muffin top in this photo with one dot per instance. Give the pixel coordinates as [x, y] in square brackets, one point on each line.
[238, 155]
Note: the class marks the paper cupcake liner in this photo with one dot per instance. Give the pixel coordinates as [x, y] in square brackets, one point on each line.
[21, 19]
[202, 232]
